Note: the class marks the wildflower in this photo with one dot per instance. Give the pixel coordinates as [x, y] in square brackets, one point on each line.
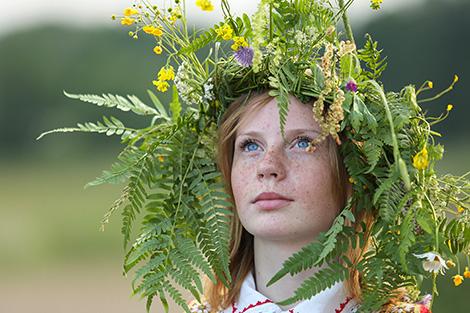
[375, 4]
[460, 209]
[244, 56]
[239, 41]
[161, 85]
[351, 86]
[308, 72]
[421, 160]
[205, 5]
[173, 18]
[466, 274]
[130, 11]
[161, 158]
[166, 74]
[149, 29]
[157, 31]
[458, 279]
[158, 50]
[433, 263]
[426, 300]
[450, 263]
[449, 107]
[430, 84]
[128, 21]
[225, 32]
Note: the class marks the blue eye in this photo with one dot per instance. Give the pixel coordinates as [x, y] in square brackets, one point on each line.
[303, 142]
[251, 146]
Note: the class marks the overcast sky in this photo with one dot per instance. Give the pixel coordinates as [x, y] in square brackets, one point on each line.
[29, 13]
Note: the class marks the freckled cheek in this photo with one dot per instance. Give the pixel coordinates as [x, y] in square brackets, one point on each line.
[242, 180]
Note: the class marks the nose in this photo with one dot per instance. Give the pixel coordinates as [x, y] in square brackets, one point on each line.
[272, 165]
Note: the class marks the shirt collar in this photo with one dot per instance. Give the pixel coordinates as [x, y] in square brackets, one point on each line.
[333, 299]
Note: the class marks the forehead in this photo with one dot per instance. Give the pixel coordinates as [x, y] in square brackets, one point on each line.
[266, 118]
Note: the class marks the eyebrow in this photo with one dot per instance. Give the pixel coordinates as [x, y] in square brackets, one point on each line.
[290, 132]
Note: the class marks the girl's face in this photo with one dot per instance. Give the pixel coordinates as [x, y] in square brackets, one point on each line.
[264, 163]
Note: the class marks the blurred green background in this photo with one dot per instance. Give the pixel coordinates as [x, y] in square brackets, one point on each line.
[53, 258]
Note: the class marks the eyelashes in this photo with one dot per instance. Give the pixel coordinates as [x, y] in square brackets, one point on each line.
[248, 141]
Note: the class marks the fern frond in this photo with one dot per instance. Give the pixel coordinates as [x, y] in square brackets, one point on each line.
[321, 280]
[115, 101]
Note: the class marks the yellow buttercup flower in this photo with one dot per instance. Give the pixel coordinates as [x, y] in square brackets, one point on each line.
[149, 29]
[430, 84]
[460, 209]
[173, 19]
[450, 107]
[205, 5]
[157, 31]
[421, 159]
[239, 41]
[161, 158]
[466, 274]
[166, 74]
[458, 279]
[130, 11]
[375, 4]
[158, 50]
[128, 21]
[225, 32]
[161, 85]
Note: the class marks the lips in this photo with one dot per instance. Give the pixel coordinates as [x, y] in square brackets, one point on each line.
[271, 200]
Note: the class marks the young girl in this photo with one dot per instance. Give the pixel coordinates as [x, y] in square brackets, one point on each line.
[284, 196]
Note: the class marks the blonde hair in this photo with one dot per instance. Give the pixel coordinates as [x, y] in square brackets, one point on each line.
[241, 242]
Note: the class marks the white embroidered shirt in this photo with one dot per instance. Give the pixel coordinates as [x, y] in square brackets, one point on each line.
[331, 300]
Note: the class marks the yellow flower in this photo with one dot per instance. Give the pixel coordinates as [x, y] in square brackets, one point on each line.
[430, 84]
[239, 42]
[127, 21]
[161, 85]
[450, 107]
[158, 50]
[166, 74]
[375, 4]
[205, 5]
[421, 160]
[157, 31]
[456, 78]
[225, 31]
[130, 11]
[466, 274]
[161, 158]
[173, 19]
[458, 279]
[460, 209]
[351, 180]
[149, 29]
[450, 263]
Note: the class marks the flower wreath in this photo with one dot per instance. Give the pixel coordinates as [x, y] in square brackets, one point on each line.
[422, 221]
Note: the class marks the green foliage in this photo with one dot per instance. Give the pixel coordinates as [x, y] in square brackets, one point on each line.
[373, 58]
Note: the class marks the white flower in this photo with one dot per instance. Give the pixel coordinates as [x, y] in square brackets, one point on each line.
[433, 262]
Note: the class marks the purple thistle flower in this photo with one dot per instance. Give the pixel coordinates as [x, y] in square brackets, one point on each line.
[351, 86]
[244, 56]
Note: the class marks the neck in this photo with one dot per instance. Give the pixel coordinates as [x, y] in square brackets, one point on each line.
[268, 259]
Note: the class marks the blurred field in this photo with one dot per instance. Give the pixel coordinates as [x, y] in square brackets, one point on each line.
[54, 259]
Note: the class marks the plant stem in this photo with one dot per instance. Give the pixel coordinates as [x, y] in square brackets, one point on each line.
[347, 26]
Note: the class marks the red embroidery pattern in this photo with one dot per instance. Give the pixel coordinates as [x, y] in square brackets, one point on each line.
[235, 310]
[343, 305]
